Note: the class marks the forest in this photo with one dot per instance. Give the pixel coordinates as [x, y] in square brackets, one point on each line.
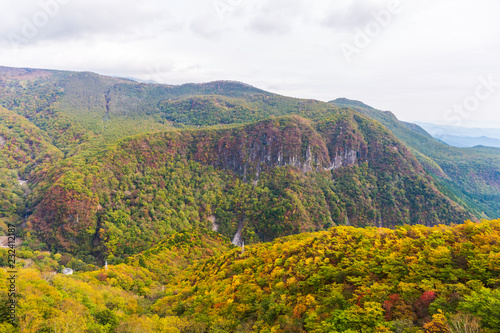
[264, 180]
[346, 279]
[220, 207]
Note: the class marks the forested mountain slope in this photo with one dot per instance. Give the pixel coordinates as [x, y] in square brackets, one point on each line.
[254, 182]
[25, 154]
[159, 180]
[115, 299]
[75, 107]
[469, 175]
[412, 279]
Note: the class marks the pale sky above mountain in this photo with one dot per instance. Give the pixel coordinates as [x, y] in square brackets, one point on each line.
[426, 60]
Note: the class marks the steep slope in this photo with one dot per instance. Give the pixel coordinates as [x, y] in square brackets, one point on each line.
[251, 183]
[78, 107]
[74, 108]
[83, 199]
[471, 176]
[25, 152]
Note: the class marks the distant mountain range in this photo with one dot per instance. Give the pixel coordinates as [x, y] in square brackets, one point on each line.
[464, 136]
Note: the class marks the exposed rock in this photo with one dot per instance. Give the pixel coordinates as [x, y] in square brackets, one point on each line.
[348, 157]
[215, 226]
[237, 239]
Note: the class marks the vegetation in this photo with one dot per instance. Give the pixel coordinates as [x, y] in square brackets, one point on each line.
[467, 175]
[117, 299]
[24, 151]
[155, 180]
[264, 180]
[411, 279]
[84, 110]
[346, 279]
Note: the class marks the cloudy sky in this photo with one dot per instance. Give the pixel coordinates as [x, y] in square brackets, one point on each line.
[425, 60]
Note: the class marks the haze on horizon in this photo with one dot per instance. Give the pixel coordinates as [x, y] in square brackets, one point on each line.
[428, 61]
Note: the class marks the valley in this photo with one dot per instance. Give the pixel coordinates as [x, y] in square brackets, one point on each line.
[351, 220]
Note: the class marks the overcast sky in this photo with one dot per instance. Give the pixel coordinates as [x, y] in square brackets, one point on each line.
[425, 60]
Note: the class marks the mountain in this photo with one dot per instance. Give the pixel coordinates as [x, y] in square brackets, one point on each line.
[464, 137]
[470, 176]
[77, 107]
[25, 152]
[252, 183]
[220, 207]
[466, 141]
[136, 162]
[436, 130]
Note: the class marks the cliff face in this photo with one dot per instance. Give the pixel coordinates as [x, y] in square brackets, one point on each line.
[276, 177]
[289, 141]
[249, 150]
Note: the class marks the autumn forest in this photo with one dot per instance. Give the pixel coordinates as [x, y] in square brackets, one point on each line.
[220, 207]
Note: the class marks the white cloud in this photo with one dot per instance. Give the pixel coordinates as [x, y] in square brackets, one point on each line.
[351, 16]
[38, 21]
[208, 26]
[270, 25]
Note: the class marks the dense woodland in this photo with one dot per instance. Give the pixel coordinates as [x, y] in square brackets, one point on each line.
[470, 176]
[251, 179]
[346, 279]
[342, 209]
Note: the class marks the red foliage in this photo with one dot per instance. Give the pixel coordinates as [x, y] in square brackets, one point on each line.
[389, 306]
[63, 217]
[422, 304]
[427, 298]
[360, 299]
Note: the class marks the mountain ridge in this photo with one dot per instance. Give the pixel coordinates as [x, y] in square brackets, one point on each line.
[139, 189]
[279, 163]
[469, 175]
[84, 114]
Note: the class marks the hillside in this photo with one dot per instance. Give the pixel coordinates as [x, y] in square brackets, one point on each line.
[408, 279]
[470, 176]
[251, 183]
[116, 299]
[77, 107]
[412, 279]
[25, 153]
[80, 111]
[229, 168]
[187, 192]
[455, 131]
